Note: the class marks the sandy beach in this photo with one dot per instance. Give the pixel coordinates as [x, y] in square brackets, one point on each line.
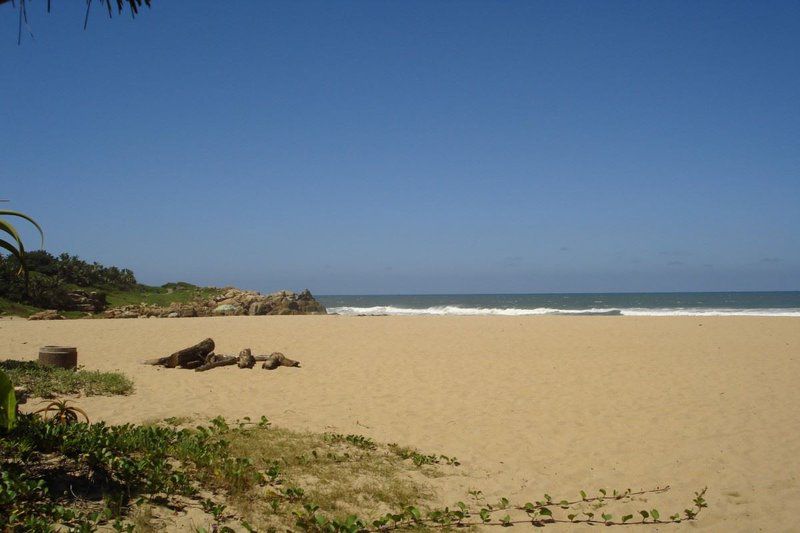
[528, 404]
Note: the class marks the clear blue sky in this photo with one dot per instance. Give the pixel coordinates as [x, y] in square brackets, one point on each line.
[413, 146]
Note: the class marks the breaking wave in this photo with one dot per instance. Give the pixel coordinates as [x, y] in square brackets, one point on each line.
[454, 310]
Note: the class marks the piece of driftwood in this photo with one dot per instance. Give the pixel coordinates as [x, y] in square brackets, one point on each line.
[276, 359]
[246, 359]
[201, 357]
[224, 360]
[198, 352]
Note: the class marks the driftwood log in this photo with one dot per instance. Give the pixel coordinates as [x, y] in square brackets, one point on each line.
[246, 359]
[201, 357]
[220, 360]
[198, 352]
[276, 359]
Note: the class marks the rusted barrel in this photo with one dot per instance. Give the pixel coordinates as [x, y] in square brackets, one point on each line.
[61, 356]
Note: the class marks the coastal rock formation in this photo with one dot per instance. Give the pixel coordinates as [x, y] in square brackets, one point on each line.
[86, 301]
[230, 302]
[49, 314]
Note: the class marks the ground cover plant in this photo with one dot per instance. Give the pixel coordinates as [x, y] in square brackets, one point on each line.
[168, 293]
[49, 382]
[251, 476]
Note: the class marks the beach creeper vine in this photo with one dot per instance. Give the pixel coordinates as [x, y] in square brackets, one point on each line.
[538, 514]
[163, 465]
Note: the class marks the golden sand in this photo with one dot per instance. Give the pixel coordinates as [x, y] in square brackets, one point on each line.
[528, 404]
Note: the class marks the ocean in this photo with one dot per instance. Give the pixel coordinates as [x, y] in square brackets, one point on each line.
[623, 304]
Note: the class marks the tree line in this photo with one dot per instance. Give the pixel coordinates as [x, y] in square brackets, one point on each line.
[52, 277]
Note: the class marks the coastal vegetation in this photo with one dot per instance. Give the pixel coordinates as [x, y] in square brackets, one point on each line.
[252, 476]
[50, 382]
[76, 287]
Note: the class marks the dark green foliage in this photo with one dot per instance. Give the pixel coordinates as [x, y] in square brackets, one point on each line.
[119, 463]
[70, 269]
[51, 278]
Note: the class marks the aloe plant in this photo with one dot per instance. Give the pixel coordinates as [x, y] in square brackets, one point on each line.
[8, 403]
[15, 247]
[8, 400]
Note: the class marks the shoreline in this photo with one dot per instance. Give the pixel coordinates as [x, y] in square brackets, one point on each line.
[529, 404]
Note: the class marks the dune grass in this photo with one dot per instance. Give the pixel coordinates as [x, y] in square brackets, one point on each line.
[341, 476]
[163, 296]
[8, 307]
[49, 382]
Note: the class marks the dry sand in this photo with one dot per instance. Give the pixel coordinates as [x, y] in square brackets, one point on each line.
[529, 404]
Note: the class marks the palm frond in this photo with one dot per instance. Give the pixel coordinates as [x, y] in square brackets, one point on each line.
[4, 212]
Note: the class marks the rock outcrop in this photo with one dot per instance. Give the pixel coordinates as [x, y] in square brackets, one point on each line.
[49, 314]
[86, 301]
[230, 302]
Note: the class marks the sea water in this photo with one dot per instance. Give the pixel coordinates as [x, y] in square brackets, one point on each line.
[628, 304]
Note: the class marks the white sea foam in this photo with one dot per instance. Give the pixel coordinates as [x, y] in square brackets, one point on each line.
[454, 310]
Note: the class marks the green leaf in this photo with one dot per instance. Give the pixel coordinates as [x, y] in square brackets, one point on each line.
[8, 403]
[607, 517]
[26, 217]
[571, 517]
[626, 518]
[654, 514]
[544, 511]
[16, 253]
[583, 495]
[645, 514]
[6, 227]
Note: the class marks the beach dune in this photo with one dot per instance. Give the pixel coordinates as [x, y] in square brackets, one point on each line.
[528, 404]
